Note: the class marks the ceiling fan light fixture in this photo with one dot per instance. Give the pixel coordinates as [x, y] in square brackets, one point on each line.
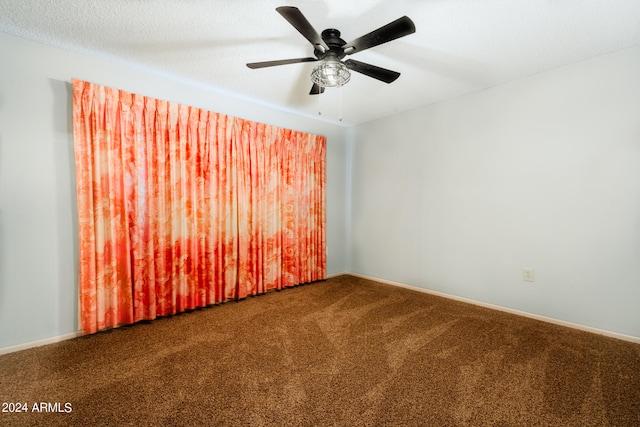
[330, 73]
[329, 49]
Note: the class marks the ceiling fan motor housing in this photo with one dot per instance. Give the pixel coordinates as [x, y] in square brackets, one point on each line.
[332, 39]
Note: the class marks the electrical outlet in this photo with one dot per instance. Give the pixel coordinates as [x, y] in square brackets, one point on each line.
[528, 274]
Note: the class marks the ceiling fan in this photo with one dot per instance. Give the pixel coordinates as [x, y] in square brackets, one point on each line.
[330, 49]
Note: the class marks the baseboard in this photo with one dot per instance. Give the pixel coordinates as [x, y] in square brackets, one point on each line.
[630, 338]
[32, 344]
[611, 334]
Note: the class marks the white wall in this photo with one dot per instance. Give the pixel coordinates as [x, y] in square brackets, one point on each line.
[455, 197]
[543, 172]
[38, 219]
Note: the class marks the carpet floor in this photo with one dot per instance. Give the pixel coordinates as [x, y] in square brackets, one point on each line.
[340, 352]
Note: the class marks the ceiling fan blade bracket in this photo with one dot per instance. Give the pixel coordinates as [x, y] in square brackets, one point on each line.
[378, 73]
[299, 22]
[394, 30]
[264, 64]
[316, 89]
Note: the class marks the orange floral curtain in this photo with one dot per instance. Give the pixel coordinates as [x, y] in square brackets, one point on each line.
[181, 208]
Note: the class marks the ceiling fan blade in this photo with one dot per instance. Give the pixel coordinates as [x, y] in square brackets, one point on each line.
[300, 23]
[279, 62]
[316, 89]
[379, 73]
[399, 28]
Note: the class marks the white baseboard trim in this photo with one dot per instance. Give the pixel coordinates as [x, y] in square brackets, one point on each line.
[330, 276]
[32, 344]
[505, 309]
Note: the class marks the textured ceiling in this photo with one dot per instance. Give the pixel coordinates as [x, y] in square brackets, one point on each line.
[459, 46]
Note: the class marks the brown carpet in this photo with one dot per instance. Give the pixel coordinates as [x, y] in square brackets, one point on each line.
[343, 352]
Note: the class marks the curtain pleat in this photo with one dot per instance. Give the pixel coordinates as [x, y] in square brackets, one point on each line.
[181, 208]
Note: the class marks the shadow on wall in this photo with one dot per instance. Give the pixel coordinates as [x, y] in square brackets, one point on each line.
[66, 207]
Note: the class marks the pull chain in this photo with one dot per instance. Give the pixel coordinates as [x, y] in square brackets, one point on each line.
[340, 101]
[340, 88]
